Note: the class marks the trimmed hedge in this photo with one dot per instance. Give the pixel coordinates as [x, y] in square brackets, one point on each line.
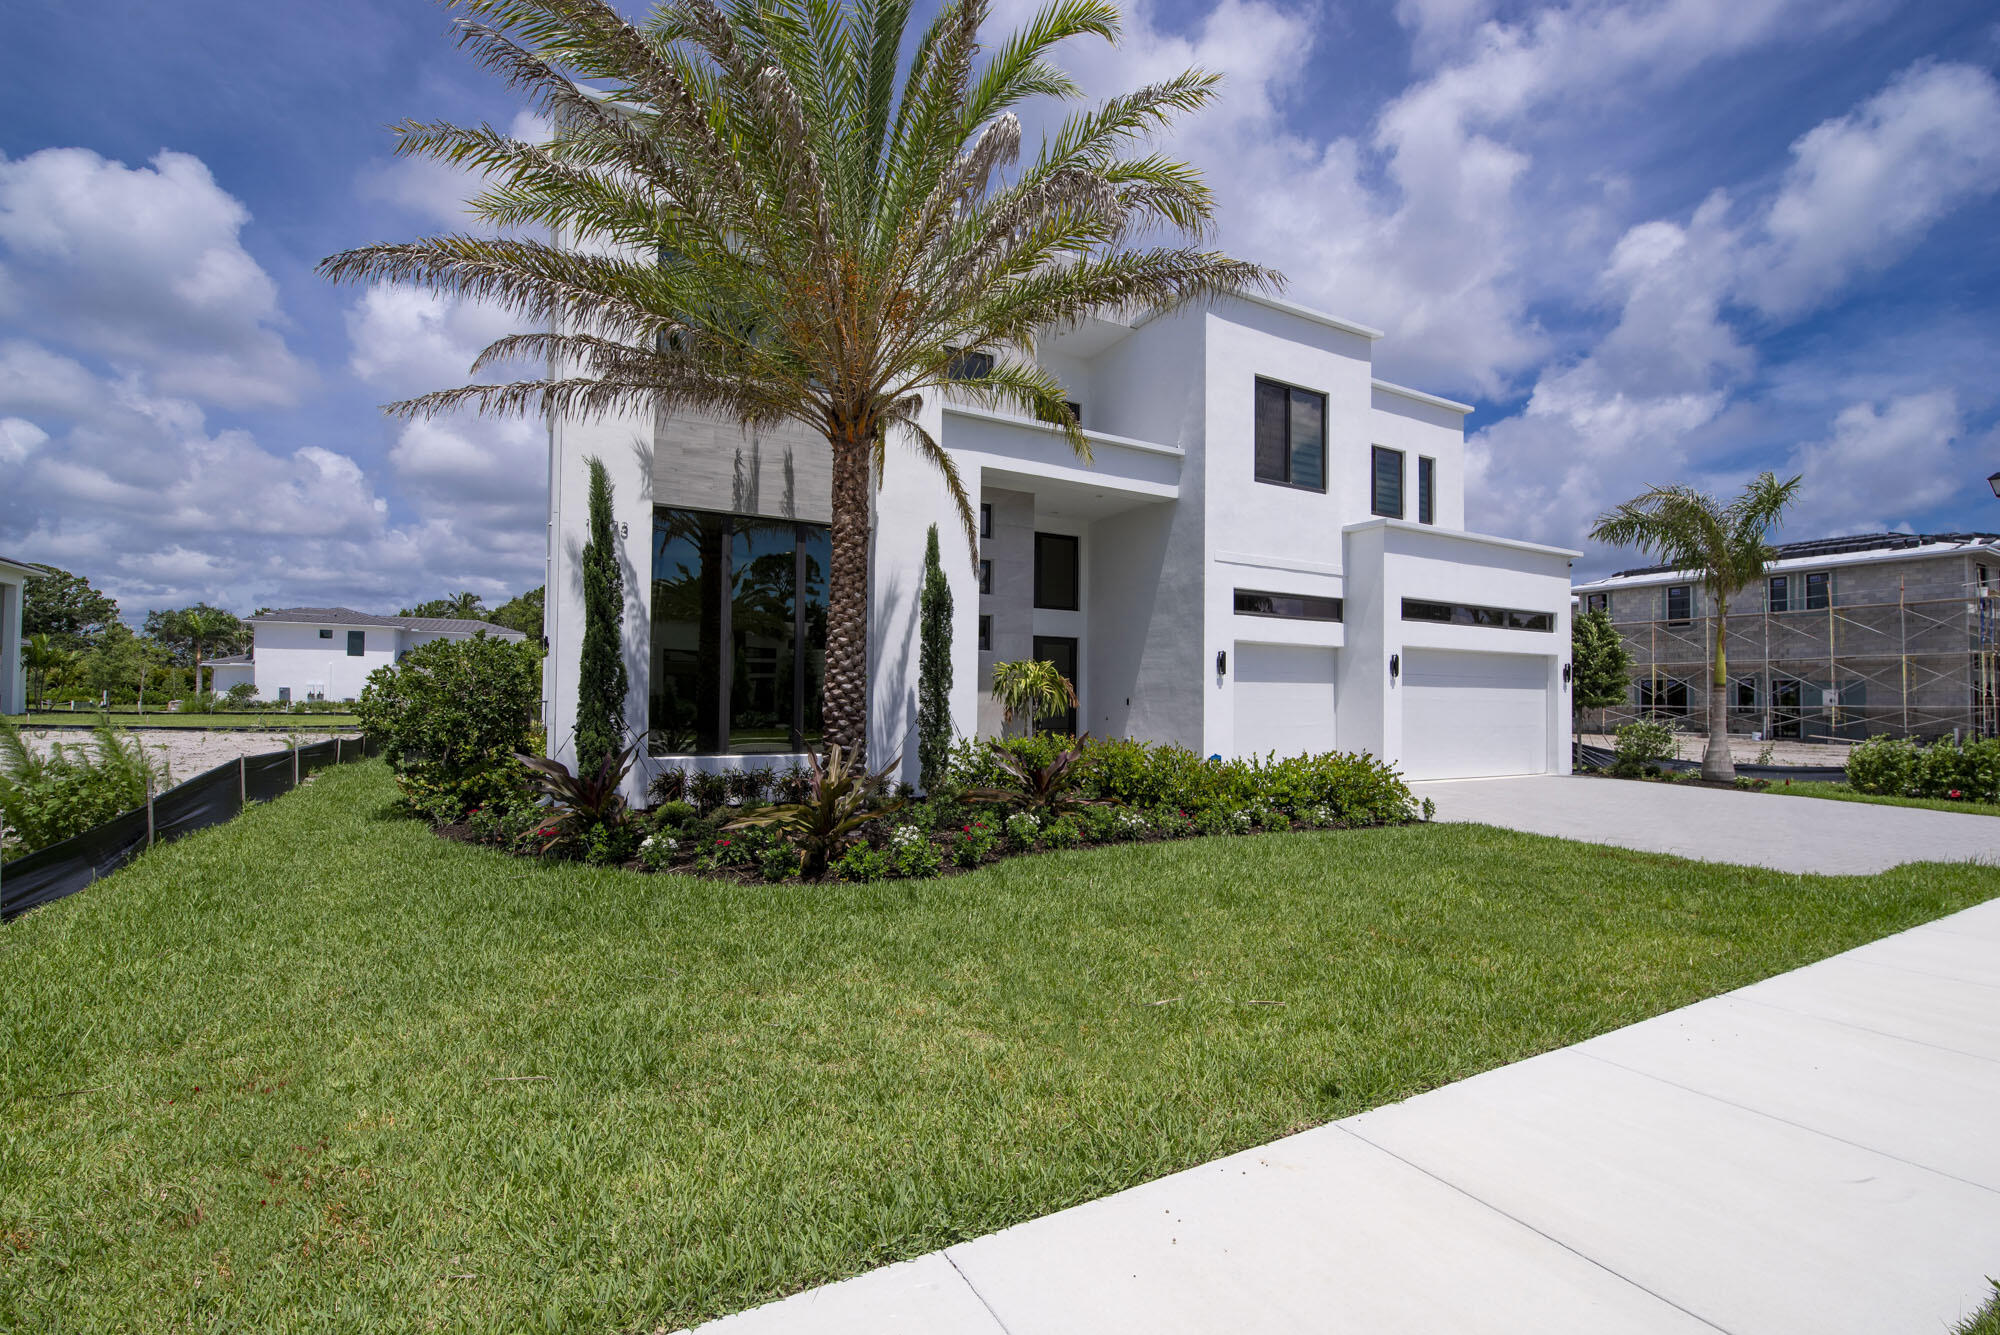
[1897, 767]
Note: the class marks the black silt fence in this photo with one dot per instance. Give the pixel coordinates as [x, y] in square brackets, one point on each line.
[209, 798]
[1603, 757]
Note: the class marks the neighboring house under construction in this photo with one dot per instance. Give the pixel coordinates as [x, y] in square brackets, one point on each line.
[1844, 638]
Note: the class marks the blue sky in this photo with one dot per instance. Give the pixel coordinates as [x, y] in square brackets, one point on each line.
[1652, 241]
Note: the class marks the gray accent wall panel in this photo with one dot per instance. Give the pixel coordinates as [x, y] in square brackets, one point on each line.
[707, 463]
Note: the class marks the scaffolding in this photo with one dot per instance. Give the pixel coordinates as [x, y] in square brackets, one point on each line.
[1922, 667]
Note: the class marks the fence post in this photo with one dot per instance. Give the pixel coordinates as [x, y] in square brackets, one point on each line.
[242, 786]
[295, 760]
[149, 811]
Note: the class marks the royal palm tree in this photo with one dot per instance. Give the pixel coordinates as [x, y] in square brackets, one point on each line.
[744, 210]
[1031, 688]
[1724, 547]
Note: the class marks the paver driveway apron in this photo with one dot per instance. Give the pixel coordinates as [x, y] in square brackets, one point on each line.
[1716, 825]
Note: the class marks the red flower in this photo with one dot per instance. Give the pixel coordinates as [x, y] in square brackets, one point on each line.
[1954, 793]
[722, 843]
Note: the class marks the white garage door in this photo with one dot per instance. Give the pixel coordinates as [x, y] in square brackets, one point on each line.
[1468, 715]
[1284, 699]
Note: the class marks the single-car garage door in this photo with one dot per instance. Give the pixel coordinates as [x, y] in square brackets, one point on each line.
[1470, 715]
[1284, 699]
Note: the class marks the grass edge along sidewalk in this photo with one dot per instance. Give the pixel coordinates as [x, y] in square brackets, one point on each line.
[318, 1069]
[209, 798]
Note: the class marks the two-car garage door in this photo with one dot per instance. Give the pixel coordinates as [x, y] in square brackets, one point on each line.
[1469, 715]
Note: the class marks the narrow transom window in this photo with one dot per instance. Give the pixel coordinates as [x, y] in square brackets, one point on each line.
[986, 577]
[1290, 433]
[985, 634]
[985, 521]
[1289, 606]
[1386, 485]
[1426, 490]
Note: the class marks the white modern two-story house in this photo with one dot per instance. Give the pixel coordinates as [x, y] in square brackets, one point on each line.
[1266, 554]
[326, 653]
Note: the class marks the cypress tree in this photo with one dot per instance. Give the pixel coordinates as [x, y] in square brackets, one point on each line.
[600, 675]
[933, 670]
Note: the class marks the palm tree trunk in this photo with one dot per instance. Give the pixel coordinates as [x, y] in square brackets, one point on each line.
[1716, 762]
[847, 597]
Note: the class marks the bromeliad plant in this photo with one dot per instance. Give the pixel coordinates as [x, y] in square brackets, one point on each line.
[841, 797]
[585, 811]
[1050, 786]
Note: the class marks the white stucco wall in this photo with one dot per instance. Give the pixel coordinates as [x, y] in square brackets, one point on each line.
[294, 656]
[13, 686]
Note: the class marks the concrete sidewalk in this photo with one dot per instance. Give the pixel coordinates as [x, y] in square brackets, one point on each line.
[1815, 1154]
[1799, 834]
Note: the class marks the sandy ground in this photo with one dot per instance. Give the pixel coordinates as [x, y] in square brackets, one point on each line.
[1745, 751]
[187, 751]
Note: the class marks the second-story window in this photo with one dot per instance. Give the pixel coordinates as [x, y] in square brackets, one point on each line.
[1597, 602]
[1290, 436]
[1680, 603]
[1781, 593]
[1386, 483]
[357, 643]
[1426, 490]
[969, 365]
[1819, 590]
[1056, 574]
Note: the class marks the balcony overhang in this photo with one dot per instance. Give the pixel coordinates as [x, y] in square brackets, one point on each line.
[1019, 455]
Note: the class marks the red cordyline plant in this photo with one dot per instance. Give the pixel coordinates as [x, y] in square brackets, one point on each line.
[579, 803]
[1049, 787]
[841, 796]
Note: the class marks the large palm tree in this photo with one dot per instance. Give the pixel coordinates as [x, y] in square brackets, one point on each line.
[1722, 545]
[759, 208]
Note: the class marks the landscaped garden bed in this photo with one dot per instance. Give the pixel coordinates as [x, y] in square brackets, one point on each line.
[318, 1069]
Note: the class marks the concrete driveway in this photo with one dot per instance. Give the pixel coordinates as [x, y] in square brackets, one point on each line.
[1755, 829]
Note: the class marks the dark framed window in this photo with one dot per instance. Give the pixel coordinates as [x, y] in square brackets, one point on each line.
[325, 634]
[1061, 651]
[1597, 602]
[1819, 591]
[986, 577]
[1781, 600]
[1426, 490]
[1290, 431]
[1746, 692]
[1663, 695]
[1290, 606]
[1680, 603]
[357, 643]
[1468, 614]
[1056, 582]
[1075, 411]
[985, 521]
[1385, 488]
[969, 365]
[739, 633]
[985, 634]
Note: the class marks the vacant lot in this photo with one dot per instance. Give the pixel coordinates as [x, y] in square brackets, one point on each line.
[318, 1070]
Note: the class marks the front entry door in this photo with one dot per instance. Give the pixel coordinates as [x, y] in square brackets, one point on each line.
[1060, 650]
[1786, 700]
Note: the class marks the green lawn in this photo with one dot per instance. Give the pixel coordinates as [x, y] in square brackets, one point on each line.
[1840, 792]
[277, 722]
[319, 1070]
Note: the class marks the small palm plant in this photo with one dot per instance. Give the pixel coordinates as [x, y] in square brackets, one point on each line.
[1722, 545]
[1029, 688]
[1051, 787]
[749, 213]
[840, 797]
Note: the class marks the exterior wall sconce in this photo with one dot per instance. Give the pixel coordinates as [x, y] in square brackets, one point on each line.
[1221, 662]
[1566, 670]
[1395, 666]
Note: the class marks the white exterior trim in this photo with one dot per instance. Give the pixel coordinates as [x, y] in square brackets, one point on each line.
[1434, 400]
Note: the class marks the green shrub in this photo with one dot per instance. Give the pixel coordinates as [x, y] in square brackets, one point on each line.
[1961, 771]
[912, 854]
[861, 863]
[1642, 744]
[972, 843]
[47, 799]
[1063, 832]
[1024, 831]
[779, 862]
[450, 717]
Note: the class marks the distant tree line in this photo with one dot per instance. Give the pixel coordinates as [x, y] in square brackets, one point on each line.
[76, 645]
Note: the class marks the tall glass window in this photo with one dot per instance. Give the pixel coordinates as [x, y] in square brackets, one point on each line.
[739, 633]
[1290, 436]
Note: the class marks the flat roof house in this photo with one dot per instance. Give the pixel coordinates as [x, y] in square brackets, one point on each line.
[326, 653]
[1266, 554]
[1844, 638]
